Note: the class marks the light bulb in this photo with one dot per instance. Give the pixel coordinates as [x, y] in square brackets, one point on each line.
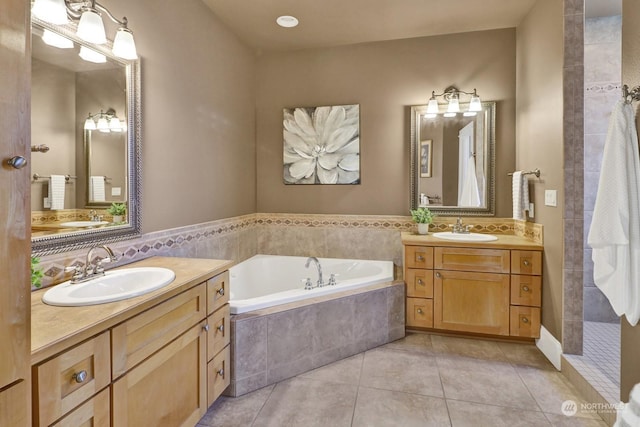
[89, 124]
[454, 105]
[91, 55]
[56, 40]
[124, 46]
[432, 107]
[114, 124]
[475, 104]
[52, 11]
[103, 124]
[91, 27]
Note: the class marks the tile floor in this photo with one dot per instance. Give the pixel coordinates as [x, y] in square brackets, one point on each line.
[420, 380]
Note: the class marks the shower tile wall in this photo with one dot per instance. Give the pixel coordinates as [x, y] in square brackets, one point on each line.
[602, 75]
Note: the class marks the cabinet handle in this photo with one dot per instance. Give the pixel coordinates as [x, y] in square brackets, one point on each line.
[220, 327]
[220, 291]
[206, 327]
[420, 258]
[79, 377]
[420, 311]
[420, 282]
[526, 263]
[438, 275]
[220, 372]
[525, 288]
[525, 320]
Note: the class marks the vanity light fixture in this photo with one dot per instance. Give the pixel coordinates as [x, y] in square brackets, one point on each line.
[55, 40]
[91, 55]
[452, 96]
[90, 25]
[287, 21]
[105, 122]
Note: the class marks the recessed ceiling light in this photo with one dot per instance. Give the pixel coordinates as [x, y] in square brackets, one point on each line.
[287, 21]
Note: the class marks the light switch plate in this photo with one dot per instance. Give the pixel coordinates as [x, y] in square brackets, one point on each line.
[46, 203]
[115, 191]
[531, 210]
[551, 198]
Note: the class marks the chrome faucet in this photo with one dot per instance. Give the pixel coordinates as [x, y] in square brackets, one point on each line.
[91, 271]
[320, 282]
[93, 215]
[458, 228]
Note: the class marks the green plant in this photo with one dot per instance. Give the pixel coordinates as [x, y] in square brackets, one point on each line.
[36, 272]
[117, 209]
[422, 216]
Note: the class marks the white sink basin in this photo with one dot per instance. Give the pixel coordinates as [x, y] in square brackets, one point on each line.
[81, 224]
[115, 285]
[471, 237]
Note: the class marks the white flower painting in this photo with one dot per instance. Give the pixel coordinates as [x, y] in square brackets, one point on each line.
[322, 145]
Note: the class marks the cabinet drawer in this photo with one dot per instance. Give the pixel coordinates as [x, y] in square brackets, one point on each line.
[526, 290]
[418, 257]
[525, 321]
[217, 292]
[420, 312]
[526, 262]
[470, 259]
[419, 283]
[219, 335]
[70, 378]
[141, 336]
[94, 413]
[218, 375]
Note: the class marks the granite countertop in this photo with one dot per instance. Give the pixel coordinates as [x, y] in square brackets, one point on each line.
[505, 241]
[54, 329]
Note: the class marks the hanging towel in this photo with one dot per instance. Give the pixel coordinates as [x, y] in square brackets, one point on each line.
[520, 192]
[470, 195]
[56, 191]
[96, 189]
[615, 228]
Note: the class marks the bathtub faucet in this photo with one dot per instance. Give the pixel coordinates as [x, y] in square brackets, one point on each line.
[320, 282]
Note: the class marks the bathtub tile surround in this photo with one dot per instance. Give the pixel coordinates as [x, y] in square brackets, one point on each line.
[270, 345]
[375, 389]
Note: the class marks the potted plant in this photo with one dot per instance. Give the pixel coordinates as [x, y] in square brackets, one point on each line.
[423, 217]
[117, 211]
[36, 272]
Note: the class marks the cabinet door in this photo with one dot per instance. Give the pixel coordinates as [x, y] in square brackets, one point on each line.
[419, 313]
[14, 410]
[219, 333]
[218, 374]
[471, 302]
[419, 283]
[167, 389]
[94, 413]
[217, 292]
[418, 257]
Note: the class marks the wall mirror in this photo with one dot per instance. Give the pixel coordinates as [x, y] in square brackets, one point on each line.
[453, 162]
[85, 137]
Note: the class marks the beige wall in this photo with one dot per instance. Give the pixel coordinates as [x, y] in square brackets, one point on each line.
[198, 85]
[384, 78]
[540, 138]
[630, 367]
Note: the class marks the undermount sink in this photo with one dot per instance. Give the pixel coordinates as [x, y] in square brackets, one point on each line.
[465, 237]
[83, 224]
[115, 285]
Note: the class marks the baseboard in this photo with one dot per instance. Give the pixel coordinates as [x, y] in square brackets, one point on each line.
[550, 347]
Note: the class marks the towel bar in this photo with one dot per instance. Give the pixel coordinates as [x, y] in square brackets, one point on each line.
[535, 172]
[66, 177]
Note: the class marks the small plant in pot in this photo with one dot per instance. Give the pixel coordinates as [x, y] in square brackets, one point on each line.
[423, 217]
[117, 211]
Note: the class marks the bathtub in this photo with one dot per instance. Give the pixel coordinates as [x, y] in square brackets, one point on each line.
[265, 281]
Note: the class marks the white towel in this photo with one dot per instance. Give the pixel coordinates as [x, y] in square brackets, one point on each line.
[96, 189]
[615, 228]
[56, 191]
[520, 192]
[470, 195]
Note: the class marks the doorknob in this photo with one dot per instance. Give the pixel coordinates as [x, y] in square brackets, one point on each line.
[17, 162]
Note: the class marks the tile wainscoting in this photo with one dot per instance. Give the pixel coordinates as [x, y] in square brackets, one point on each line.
[239, 238]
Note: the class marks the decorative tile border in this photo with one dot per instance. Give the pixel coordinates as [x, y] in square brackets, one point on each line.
[614, 88]
[48, 217]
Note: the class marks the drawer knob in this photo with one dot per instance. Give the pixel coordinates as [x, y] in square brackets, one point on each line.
[206, 327]
[79, 377]
[220, 372]
[438, 275]
[420, 282]
[420, 311]
[525, 320]
[525, 288]
[526, 263]
[220, 291]
[220, 327]
[420, 258]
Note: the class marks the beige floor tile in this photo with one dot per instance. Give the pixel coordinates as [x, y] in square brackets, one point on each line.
[236, 411]
[382, 408]
[525, 354]
[479, 349]
[467, 414]
[414, 342]
[564, 421]
[309, 403]
[464, 363]
[345, 371]
[388, 369]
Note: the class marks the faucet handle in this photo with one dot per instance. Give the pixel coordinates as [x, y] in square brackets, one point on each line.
[332, 279]
[308, 285]
[77, 272]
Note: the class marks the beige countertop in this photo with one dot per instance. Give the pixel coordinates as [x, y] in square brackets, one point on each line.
[54, 329]
[505, 241]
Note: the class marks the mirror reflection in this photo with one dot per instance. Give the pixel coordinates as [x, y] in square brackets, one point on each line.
[452, 161]
[83, 144]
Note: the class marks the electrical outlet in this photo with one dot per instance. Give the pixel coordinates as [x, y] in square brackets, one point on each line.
[551, 198]
[531, 210]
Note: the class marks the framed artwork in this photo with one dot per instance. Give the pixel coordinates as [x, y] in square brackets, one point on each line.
[321, 145]
[425, 159]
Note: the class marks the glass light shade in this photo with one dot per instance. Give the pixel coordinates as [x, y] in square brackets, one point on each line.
[91, 27]
[114, 124]
[103, 125]
[454, 106]
[56, 40]
[91, 55]
[432, 107]
[430, 116]
[89, 124]
[52, 11]
[449, 114]
[123, 45]
[475, 104]
[469, 113]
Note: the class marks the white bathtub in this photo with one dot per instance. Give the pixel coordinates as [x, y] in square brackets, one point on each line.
[266, 280]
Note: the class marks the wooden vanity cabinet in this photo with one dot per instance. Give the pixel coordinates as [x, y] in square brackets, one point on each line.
[218, 337]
